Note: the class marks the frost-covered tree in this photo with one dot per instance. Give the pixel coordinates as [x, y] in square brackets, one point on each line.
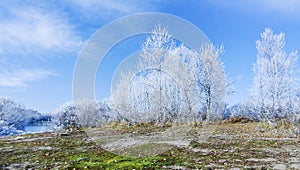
[160, 87]
[273, 90]
[14, 117]
[148, 94]
[172, 81]
[156, 47]
[84, 113]
[93, 113]
[155, 96]
[205, 83]
[245, 109]
[151, 93]
[120, 96]
[88, 112]
[65, 117]
[211, 79]
[186, 72]
[108, 111]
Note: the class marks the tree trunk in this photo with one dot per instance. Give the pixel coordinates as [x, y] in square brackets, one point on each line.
[208, 104]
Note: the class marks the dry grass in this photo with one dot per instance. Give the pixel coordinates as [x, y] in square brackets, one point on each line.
[231, 145]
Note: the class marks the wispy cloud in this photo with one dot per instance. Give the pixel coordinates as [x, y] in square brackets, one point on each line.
[29, 34]
[108, 5]
[57, 28]
[22, 77]
[114, 8]
[26, 29]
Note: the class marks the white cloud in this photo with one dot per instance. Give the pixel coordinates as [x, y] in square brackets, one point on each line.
[56, 28]
[30, 30]
[22, 77]
[27, 29]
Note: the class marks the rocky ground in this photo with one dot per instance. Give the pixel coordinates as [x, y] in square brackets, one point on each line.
[231, 145]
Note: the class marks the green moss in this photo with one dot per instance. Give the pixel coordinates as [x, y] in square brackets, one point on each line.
[111, 161]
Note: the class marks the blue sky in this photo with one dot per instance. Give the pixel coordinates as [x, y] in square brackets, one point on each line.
[40, 40]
